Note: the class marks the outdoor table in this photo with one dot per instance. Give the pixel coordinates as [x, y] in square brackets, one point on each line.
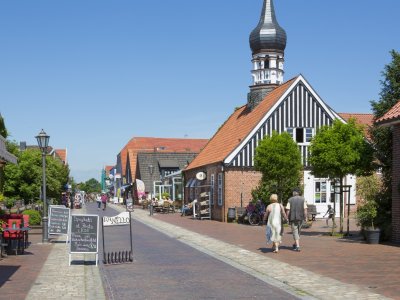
[24, 231]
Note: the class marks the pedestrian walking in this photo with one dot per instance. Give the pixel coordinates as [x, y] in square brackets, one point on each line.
[104, 200]
[274, 214]
[331, 213]
[98, 201]
[297, 214]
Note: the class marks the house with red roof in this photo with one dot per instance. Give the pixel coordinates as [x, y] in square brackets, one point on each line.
[392, 119]
[225, 167]
[60, 154]
[149, 159]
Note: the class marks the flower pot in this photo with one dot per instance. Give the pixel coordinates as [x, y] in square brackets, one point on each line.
[372, 235]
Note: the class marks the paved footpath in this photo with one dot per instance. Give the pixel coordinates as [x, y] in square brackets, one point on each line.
[327, 268]
[164, 269]
[58, 280]
[43, 272]
[211, 238]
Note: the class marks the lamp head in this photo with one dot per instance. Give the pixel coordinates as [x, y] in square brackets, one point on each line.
[43, 140]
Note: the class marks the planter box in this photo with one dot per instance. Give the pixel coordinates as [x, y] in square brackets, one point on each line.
[372, 235]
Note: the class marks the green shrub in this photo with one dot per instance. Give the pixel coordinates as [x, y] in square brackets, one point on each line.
[34, 216]
[9, 203]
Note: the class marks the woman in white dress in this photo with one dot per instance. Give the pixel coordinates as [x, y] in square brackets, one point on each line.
[274, 214]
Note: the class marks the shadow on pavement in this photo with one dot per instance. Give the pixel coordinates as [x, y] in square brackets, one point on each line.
[83, 263]
[6, 273]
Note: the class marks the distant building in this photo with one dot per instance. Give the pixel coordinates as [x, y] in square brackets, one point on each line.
[142, 156]
[60, 154]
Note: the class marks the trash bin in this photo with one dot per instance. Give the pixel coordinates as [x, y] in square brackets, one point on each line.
[231, 213]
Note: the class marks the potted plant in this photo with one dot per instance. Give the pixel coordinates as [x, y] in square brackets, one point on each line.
[366, 214]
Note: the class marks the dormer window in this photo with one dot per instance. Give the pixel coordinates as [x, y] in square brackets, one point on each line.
[301, 135]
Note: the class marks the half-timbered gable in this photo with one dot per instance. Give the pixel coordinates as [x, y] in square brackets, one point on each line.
[272, 105]
[299, 111]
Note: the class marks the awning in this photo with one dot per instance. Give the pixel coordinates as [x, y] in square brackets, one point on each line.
[193, 183]
[189, 182]
[168, 163]
[125, 187]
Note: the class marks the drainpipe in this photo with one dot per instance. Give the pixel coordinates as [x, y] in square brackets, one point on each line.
[223, 191]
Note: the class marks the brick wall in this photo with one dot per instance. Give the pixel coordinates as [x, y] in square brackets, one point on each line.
[238, 186]
[396, 185]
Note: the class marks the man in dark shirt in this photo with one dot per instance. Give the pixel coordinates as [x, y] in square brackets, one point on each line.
[297, 214]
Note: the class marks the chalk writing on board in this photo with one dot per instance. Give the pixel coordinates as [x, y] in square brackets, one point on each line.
[84, 233]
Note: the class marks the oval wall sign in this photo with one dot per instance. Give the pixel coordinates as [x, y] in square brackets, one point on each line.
[201, 175]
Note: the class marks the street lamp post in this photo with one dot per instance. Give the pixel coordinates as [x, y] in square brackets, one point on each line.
[43, 142]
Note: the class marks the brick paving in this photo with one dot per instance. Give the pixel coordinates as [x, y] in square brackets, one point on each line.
[18, 273]
[58, 280]
[43, 272]
[327, 268]
[339, 265]
[165, 269]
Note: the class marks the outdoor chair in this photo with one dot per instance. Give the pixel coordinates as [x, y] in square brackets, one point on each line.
[166, 207]
[15, 236]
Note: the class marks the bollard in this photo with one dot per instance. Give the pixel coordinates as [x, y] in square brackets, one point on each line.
[151, 209]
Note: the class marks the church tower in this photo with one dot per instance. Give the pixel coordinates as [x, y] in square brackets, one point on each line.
[267, 43]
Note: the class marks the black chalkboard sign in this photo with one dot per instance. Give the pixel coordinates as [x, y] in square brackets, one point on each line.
[84, 233]
[58, 220]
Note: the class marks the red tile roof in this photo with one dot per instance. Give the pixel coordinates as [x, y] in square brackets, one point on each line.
[236, 128]
[392, 116]
[108, 169]
[366, 120]
[150, 144]
[61, 154]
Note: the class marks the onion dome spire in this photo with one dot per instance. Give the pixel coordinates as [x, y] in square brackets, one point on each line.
[268, 35]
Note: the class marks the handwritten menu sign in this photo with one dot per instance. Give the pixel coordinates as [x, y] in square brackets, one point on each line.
[58, 220]
[84, 233]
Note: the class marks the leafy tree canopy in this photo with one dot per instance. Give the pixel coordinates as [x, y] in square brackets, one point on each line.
[382, 139]
[340, 149]
[389, 96]
[90, 186]
[24, 180]
[279, 160]
[3, 129]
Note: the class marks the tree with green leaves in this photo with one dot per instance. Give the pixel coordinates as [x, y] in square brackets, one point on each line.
[382, 139]
[90, 186]
[23, 181]
[279, 160]
[3, 129]
[339, 150]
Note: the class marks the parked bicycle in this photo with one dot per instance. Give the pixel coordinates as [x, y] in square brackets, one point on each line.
[255, 213]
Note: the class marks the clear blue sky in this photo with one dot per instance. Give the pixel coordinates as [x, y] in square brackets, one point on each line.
[95, 73]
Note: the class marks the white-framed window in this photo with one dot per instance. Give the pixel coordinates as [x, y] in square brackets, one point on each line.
[320, 190]
[220, 189]
[301, 135]
[212, 183]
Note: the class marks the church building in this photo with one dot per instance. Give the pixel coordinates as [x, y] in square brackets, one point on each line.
[273, 104]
